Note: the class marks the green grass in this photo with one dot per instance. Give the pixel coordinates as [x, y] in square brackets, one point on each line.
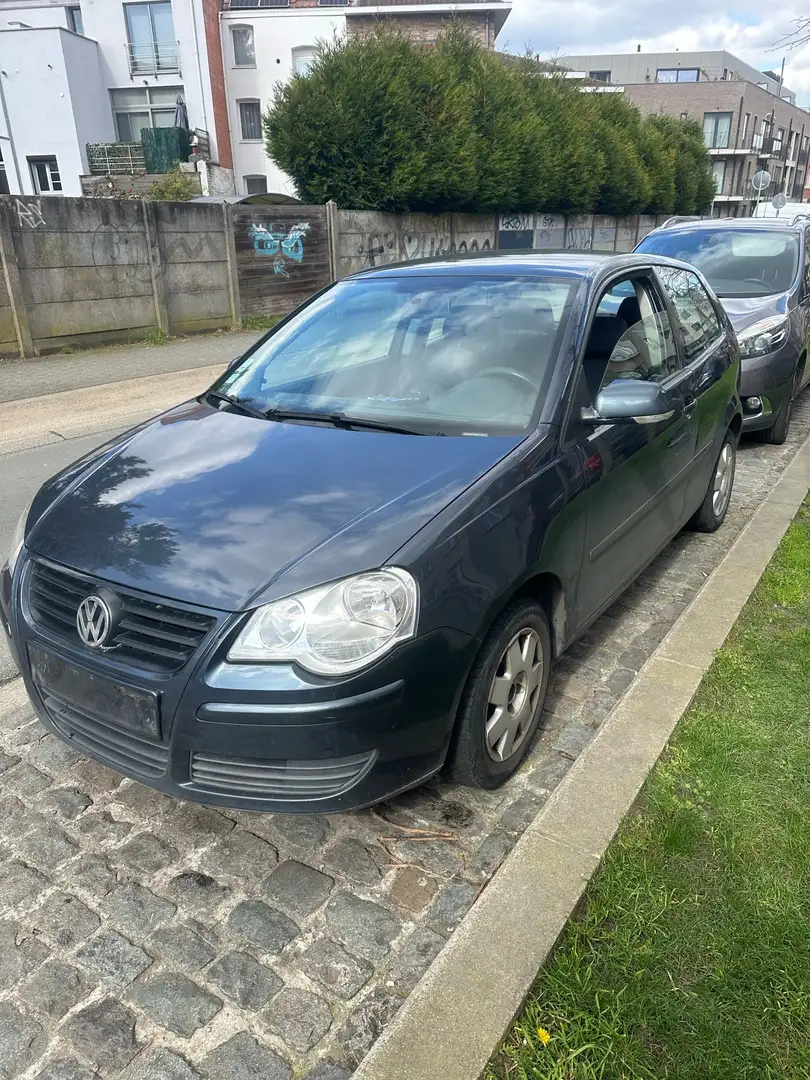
[690, 959]
[260, 322]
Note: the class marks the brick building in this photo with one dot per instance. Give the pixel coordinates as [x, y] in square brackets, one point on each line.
[750, 120]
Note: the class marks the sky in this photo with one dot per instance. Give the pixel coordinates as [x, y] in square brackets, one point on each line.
[749, 30]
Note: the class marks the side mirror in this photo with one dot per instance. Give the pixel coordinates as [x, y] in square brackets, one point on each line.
[232, 364]
[628, 401]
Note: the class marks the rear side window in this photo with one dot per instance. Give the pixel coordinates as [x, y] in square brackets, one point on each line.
[699, 322]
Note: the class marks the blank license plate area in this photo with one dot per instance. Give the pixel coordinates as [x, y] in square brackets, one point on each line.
[100, 698]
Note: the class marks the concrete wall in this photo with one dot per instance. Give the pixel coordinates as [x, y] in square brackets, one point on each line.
[93, 271]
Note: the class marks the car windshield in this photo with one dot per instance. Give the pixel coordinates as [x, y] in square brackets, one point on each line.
[736, 262]
[460, 355]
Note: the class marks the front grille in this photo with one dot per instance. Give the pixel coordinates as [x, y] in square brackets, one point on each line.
[152, 636]
[283, 779]
[122, 750]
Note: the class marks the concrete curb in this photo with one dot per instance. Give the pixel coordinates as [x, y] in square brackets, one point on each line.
[455, 1018]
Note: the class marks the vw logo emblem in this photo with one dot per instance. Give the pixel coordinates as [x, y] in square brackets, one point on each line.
[94, 621]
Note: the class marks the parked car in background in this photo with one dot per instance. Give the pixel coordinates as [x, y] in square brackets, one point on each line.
[760, 270]
[353, 560]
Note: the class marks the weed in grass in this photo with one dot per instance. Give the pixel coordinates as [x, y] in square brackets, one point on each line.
[260, 322]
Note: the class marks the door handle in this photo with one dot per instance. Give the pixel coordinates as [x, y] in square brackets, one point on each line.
[689, 405]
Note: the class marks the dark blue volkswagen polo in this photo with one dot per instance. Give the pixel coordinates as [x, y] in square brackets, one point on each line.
[353, 560]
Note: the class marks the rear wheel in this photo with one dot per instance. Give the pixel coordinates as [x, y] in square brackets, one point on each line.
[503, 700]
[714, 507]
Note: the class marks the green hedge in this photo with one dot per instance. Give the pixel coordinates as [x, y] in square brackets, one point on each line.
[163, 148]
[386, 124]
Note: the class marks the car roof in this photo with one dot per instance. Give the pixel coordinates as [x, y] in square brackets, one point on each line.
[581, 264]
[733, 223]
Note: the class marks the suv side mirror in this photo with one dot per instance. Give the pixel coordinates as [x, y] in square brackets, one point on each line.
[232, 364]
[628, 401]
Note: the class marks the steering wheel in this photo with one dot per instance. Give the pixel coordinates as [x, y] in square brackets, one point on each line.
[508, 373]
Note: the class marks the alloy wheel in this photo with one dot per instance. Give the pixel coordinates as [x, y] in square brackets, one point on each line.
[514, 694]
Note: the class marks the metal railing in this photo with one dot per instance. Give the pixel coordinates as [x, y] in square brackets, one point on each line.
[153, 57]
[231, 4]
[109, 159]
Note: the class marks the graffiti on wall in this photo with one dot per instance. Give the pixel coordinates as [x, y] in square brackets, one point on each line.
[283, 245]
[380, 249]
[29, 213]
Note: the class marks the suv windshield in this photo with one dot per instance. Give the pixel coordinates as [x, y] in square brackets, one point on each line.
[457, 355]
[736, 262]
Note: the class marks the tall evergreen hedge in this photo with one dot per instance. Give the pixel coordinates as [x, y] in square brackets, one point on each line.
[386, 124]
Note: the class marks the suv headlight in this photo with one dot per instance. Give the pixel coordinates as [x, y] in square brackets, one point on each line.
[334, 629]
[17, 538]
[763, 336]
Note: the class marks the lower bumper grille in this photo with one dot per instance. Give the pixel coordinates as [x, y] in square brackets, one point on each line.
[121, 750]
[282, 779]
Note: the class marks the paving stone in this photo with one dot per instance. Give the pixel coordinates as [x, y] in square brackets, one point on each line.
[20, 953]
[297, 887]
[490, 855]
[104, 1034]
[160, 1064]
[414, 958]
[439, 857]
[19, 884]
[114, 959]
[16, 817]
[21, 1041]
[413, 888]
[55, 988]
[328, 1070]
[548, 773]
[136, 909]
[142, 803]
[354, 860]
[46, 845]
[198, 892]
[65, 919]
[193, 825]
[66, 803]
[364, 927]
[243, 1058]
[66, 1069]
[522, 812]
[240, 977]
[299, 1018]
[7, 761]
[102, 829]
[328, 964]
[175, 1002]
[451, 905]
[26, 781]
[260, 925]
[52, 755]
[241, 855]
[303, 831]
[93, 873]
[94, 778]
[366, 1023]
[146, 854]
[183, 946]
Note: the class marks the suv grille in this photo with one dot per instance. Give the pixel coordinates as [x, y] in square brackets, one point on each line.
[152, 636]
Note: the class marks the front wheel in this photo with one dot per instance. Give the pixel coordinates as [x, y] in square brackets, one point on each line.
[777, 433]
[713, 510]
[503, 700]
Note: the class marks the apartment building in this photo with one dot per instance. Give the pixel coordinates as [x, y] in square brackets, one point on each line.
[751, 122]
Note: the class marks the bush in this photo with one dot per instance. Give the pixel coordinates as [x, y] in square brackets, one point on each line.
[176, 186]
[383, 123]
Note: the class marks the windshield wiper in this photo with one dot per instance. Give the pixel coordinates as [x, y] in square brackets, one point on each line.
[237, 403]
[342, 420]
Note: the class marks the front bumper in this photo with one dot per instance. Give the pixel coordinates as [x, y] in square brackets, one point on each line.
[769, 378]
[260, 737]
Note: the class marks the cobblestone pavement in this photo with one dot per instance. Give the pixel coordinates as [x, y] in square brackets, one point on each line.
[147, 939]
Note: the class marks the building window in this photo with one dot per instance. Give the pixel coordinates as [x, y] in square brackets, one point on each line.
[677, 75]
[303, 59]
[684, 116]
[45, 174]
[152, 46]
[599, 76]
[244, 52]
[250, 119]
[3, 177]
[255, 185]
[746, 121]
[142, 107]
[719, 171]
[75, 23]
[717, 130]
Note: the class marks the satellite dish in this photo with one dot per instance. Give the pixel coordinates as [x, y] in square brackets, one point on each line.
[778, 201]
[760, 180]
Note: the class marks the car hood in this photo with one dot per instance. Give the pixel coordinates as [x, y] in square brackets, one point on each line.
[214, 507]
[745, 310]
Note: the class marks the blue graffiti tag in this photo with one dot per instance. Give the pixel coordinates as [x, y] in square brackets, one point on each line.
[283, 245]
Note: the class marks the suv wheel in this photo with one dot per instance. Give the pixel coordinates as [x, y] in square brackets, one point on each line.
[777, 433]
[503, 700]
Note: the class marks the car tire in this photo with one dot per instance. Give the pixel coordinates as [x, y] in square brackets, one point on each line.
[713, 509]
[503, 700]
[777, 433]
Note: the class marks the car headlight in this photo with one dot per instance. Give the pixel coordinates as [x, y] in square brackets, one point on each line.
[334, 629]
[17, 538]
[763, 336]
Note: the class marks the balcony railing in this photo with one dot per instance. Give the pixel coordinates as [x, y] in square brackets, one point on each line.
[153, 57]
[109, 159]
[226, 4]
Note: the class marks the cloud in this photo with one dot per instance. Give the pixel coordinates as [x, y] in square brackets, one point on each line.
[749, 30]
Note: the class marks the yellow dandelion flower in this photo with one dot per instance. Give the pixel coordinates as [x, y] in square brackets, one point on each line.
[543, 1036]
